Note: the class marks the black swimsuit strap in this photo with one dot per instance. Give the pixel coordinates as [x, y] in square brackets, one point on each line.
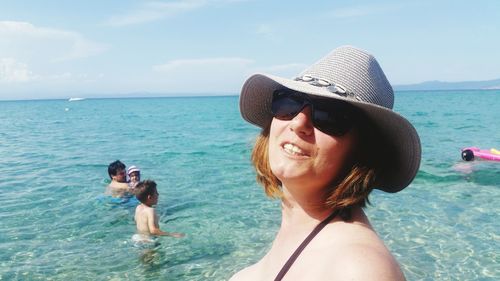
[306, 241]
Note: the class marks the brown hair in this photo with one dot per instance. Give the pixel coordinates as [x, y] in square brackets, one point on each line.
[143, 189]
[343, 195]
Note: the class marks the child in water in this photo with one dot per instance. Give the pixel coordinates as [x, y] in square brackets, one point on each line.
[134, 174]
[145, 215]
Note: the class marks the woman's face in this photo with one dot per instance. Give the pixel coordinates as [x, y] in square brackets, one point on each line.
[301, 154]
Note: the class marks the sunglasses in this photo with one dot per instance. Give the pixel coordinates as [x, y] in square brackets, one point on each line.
[332, 117]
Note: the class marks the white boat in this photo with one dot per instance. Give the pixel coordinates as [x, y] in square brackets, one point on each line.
[76, 99]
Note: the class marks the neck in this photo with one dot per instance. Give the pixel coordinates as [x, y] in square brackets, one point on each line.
[299, 209]
[147, 205]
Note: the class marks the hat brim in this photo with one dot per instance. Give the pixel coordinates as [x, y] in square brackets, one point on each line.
[401, 165]
[133, 170]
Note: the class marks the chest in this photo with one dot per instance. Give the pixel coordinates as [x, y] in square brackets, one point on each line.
[313, 263]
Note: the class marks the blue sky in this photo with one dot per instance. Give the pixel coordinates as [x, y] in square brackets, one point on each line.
[61, 49]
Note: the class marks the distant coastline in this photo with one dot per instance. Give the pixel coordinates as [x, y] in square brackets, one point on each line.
[449, 86]
[424, 86]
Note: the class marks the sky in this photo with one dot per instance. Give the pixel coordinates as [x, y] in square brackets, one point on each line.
[123, 48]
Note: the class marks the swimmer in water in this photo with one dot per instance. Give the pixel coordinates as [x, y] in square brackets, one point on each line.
[145, 217]
[118, 186]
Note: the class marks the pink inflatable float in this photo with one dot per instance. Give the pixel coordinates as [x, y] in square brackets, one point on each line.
[470, 153]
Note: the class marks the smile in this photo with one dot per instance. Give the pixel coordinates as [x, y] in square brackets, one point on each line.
[293, 150]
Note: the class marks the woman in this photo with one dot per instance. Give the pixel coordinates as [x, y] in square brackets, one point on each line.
[328, 138]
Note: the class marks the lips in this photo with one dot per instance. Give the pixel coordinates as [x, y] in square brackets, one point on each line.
[294, 150]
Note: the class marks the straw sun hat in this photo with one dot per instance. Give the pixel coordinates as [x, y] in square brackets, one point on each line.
[354, 76]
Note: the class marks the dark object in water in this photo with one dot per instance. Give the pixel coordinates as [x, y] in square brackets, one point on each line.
[468, 155]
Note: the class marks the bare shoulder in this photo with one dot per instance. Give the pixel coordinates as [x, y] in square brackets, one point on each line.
[118, 185]
[355, 252]
[117, 189]
[143, 210]
[139, 208]
[366, 262]
[146, 209]
[248, 273]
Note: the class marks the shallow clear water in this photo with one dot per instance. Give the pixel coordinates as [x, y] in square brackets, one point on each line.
[55, 224]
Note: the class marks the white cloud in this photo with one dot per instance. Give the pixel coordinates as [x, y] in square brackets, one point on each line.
[268, 32]
[360, 11]
[200, 64]
[157, 10]
[25, 41]
[215, 75]
[153, 11]
[351, 12]
[265, 29]
[221, 75]
[14, 71]
[285, 70]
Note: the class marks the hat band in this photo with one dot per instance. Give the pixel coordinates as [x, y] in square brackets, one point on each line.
[331, 87]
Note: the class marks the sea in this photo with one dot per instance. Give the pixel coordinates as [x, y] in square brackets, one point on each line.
[57, 224]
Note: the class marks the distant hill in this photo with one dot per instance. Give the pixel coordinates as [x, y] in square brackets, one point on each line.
[439, 85]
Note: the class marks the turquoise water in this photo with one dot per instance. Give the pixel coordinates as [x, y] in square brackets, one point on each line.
[55, 223]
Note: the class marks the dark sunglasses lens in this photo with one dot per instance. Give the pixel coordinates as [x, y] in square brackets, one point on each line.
[285, 106]
[333, 119]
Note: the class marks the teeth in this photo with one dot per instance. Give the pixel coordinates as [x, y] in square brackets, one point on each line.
[292, 149]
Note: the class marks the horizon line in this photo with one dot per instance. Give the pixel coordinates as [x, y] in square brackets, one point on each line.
[199, 95]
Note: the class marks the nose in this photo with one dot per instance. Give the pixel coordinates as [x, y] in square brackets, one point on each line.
[302, 123]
